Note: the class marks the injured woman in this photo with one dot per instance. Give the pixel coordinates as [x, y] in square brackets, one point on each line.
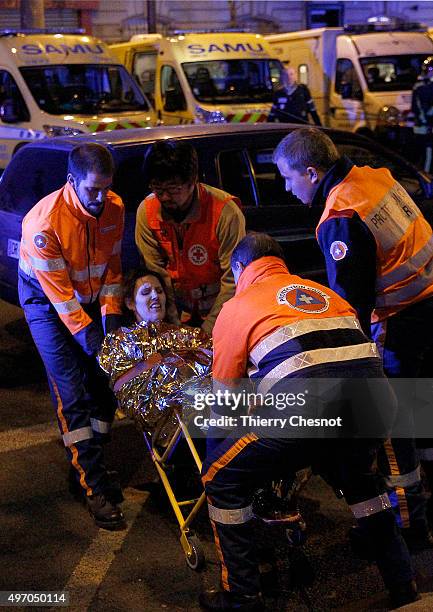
[155, 367]
[155, 370]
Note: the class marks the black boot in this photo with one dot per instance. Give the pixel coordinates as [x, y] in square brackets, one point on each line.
[404, 594]
[221, 601]
[105, 514]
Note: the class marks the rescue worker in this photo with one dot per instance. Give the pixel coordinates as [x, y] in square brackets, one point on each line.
[292, 103]
[287, 328]
[377, 247]
[69, 289]
[186, 232]
[422, 109]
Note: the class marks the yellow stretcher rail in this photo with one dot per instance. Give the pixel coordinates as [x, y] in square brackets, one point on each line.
[190, 543]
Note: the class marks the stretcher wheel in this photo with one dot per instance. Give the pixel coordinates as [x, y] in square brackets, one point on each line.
[196, 559]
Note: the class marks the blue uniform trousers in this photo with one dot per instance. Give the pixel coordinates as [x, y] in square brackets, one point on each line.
[404, 340]
[238, 466]
[83, 402]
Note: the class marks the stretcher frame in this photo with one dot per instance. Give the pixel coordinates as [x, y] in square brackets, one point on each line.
[190, 543]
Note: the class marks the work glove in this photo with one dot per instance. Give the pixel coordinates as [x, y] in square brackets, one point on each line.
[90, 338]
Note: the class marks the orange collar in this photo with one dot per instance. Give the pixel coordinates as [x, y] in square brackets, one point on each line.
[259, 269]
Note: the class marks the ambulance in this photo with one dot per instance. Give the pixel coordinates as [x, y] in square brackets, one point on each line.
[361, 76]
[63, 85]
[204, 77]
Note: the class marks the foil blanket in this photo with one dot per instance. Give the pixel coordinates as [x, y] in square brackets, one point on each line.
[155, 368]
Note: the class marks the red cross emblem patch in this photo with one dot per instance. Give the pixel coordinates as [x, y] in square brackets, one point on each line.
[197, 254]
[303, 298]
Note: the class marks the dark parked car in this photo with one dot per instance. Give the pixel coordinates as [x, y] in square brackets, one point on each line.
[236, 158]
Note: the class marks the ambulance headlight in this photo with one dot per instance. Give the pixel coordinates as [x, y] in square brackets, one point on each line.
[389, 115]
[61, 130]
[204, 116]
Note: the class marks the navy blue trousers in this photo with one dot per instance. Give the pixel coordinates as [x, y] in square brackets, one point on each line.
[237, 467]
[80, 394]
[404, 340]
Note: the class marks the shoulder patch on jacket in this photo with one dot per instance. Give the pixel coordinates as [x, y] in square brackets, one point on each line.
[338, 250]
[40, 240]
[303, 298]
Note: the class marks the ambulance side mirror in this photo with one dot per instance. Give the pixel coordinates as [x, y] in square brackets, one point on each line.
[10, 111]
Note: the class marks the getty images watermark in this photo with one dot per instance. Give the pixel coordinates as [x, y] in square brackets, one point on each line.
[222, 403]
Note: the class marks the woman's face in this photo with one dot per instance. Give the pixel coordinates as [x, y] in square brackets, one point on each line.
[149, 300]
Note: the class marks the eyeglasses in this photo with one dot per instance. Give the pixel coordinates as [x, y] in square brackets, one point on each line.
[171, 190]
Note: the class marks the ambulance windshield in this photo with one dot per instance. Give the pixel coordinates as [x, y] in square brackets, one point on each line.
[392, 72]
[84, 89]
[233, 81]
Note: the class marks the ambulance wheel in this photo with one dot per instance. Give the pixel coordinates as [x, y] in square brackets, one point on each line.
[196, 559]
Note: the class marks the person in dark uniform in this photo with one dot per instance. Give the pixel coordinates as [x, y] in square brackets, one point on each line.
[422, 108]
[377, 247]
[292, 103]
[290, 329]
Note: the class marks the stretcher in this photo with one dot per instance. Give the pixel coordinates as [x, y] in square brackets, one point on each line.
[185, 510]
[155, 370]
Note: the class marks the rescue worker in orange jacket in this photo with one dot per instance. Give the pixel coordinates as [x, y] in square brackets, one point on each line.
[378, 249]
[69, 288]
[292, 333]
[186, 232]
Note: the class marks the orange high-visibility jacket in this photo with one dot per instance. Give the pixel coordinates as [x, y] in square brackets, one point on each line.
[404, 238]
[194, 265]
[272, 307]
[74, 256]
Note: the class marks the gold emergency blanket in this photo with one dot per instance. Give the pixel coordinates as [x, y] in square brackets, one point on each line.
[154, 368]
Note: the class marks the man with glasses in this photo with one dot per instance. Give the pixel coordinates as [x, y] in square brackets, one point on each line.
[186, 231]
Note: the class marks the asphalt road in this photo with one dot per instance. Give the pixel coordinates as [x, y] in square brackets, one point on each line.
[48, 542]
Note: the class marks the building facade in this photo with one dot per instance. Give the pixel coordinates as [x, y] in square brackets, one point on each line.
[118, 20]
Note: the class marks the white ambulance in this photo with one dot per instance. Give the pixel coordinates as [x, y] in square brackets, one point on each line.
[207, 77]
[361, 77]
[63, 84]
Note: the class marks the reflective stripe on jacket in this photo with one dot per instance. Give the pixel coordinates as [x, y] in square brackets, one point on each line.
[74, 256]
[284, 326]
[191, 249]
[404, 238]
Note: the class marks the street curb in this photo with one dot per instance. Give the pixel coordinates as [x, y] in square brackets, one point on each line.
[425, 604]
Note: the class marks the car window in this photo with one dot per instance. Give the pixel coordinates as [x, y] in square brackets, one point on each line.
[18, 195]
[270, 184]
[363, 156]
[235, 175]
[252, 176]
